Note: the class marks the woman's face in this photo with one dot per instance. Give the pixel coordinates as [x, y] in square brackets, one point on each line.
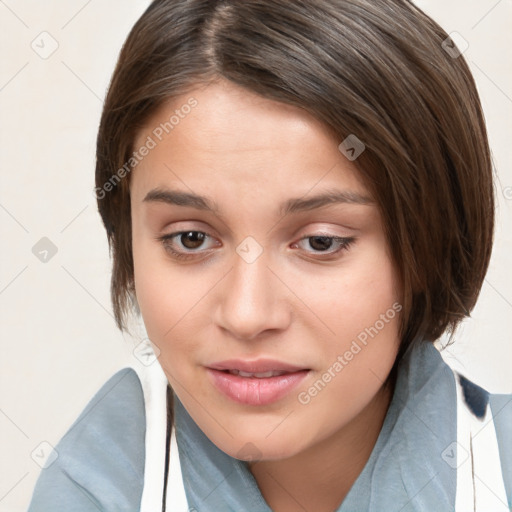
[274, 260]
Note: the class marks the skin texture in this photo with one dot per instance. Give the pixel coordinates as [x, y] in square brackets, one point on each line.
[293, 303]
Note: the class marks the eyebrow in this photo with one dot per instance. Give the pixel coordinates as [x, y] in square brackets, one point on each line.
[294, 205]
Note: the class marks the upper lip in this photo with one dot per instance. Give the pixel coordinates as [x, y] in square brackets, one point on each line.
[255, 366]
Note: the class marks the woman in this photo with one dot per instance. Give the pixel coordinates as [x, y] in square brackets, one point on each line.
[299, 201]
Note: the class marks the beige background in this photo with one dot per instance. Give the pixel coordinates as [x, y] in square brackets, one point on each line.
[59, 343]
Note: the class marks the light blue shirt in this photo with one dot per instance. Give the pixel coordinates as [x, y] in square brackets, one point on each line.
[101, 458]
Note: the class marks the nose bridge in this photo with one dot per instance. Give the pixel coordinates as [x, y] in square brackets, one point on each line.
[250, 301]
[250, 286]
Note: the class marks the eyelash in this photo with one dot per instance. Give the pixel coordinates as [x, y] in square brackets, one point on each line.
[344, 244]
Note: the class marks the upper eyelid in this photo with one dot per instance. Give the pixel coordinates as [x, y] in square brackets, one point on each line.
[308, 235]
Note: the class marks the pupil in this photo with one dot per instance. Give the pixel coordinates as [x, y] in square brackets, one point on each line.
[192, 239]
[320, 243]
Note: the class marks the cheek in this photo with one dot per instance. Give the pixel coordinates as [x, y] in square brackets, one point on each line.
[360, 310]
[352, 299]
[169, 299]
[160, 295]
[365, 317]
[149, 283]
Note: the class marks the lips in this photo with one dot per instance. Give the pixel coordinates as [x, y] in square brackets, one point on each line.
[259, 382]
[257, 366]
[257, 375]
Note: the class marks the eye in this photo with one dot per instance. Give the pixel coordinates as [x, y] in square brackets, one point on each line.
[189, 244]
[184, 244]
[325, 244]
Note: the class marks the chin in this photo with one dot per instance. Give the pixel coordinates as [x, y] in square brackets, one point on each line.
[254, 448]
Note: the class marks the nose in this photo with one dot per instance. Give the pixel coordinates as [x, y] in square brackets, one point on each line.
[252, 300]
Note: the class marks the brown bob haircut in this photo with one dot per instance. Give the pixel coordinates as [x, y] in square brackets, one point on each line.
[374, 68]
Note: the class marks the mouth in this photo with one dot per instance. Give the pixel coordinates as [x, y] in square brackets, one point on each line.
[257, 375]
[258, 382]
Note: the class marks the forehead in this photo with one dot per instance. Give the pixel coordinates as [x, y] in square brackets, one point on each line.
[222, 108]
[234, 137]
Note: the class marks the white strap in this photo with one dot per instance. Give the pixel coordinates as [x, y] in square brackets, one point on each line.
[480, 484]
[154, 385]
[176, 498]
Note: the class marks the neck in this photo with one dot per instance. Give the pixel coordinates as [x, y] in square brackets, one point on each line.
[320, 477]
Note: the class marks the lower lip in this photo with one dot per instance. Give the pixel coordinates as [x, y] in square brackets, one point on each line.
[254, 391]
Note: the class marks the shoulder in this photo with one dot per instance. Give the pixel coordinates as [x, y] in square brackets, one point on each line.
[100, 459]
